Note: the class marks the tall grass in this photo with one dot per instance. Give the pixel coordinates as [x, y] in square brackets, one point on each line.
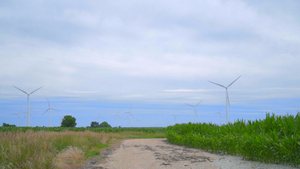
[43, 149]
[103, 129]
[276, 139]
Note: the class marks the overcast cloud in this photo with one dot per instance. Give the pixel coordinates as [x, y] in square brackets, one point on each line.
[151, 52]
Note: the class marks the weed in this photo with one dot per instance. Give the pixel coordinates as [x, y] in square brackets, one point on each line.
[24, 148]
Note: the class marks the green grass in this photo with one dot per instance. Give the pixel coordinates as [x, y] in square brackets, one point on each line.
[276, 139]
[102, 145]
[41, 148]
[93, 153]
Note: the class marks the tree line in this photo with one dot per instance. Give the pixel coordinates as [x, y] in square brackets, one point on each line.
[69, 121]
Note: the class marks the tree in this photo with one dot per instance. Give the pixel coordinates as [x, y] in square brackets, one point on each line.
[68, 121]
[104, 124]
[8, 125]
[94, 124]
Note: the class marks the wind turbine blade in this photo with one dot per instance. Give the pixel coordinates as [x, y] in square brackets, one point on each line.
[36, 90]
[234, 81]
[217, 84]
[128, 114]
[21, 90]
[45, 111]
[190, 105]
[54, 109]
[199, 103]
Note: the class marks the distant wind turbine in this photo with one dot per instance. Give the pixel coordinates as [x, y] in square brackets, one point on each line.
[26, 114]
[18, 115]
[227, 97]
[195, 109]
[49, 109]
[129, 114]
[28, 102]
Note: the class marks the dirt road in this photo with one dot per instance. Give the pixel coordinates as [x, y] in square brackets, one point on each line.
[158, 153]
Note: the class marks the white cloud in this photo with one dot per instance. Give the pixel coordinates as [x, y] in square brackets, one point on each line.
[152, 50]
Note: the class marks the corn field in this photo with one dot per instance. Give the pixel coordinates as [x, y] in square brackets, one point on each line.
[276, 139]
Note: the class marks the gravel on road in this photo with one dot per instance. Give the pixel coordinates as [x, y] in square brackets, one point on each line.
[158, 153]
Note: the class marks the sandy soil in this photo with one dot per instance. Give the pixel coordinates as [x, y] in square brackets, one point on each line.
[158, 153]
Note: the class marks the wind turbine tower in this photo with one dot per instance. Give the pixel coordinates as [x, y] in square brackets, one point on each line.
[49, 109]
[226, 95]
[18, 115]
[129, 114]
[195, 110]
[28, 102]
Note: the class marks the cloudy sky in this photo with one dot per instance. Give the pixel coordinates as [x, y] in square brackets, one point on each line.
[104, 57]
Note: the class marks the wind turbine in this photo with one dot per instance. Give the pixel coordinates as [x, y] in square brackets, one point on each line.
[28, 102]
[226, 95]
[195, 109]
[26, 113]
[18, 115]
[49, 109]
[129, 114]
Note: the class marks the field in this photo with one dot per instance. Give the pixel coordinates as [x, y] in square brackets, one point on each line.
[55, 147]
[276, 139]
[106, 129]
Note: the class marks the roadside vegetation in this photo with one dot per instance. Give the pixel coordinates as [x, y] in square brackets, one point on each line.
[99, 129]
[276, 139]
[57, 147]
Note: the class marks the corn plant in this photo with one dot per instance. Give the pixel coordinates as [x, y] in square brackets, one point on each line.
[276, 139]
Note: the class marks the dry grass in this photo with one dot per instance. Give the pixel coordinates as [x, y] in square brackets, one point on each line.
[42, 149]
[71, 157]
